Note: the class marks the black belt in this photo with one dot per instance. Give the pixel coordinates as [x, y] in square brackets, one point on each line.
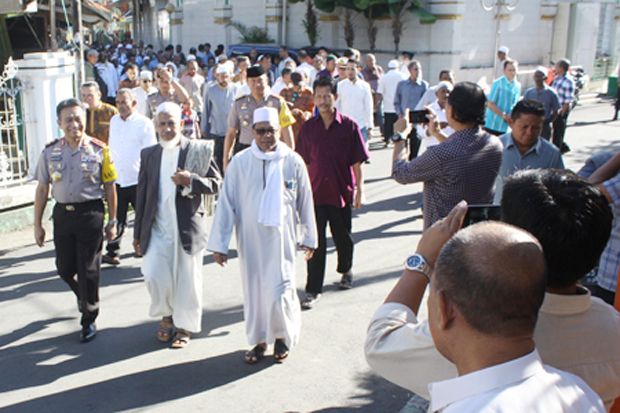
[80, 206]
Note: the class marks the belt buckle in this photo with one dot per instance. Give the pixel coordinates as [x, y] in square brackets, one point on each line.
[70, 208]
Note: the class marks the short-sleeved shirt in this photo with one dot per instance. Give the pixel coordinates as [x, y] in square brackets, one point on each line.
[607, 274]
[156, 99]
[330, 155]
[464, 166]
[547, 96]
[241, 115]
[505, 94]
[76, 175]
[542, 155]
[98, 121]
[565, 88]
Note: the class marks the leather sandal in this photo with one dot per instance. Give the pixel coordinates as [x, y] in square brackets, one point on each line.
[164, 331]
[280, 350]
[255, 355]
[181, 339]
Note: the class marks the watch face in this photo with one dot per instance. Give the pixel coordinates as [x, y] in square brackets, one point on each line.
[414, 261]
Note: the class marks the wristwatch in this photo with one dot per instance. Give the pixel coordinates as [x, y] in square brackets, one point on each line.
[417, 262]
[111, 223]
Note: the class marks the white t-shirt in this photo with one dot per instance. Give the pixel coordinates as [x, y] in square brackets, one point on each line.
[355, 101]
[141, 97]
[387, 88]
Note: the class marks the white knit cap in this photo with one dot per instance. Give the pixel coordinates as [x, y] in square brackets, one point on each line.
[393, 64]
[146, 75]
[221, 69]
[503, 49]
[542, 70]
[266, 114]
[170, 108]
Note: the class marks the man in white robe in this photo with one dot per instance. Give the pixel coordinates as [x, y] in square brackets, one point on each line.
[170, 229]
[267, 198]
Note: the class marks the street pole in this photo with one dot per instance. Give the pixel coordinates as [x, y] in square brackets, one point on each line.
[53, 42]
[81, 32]
[496, 7]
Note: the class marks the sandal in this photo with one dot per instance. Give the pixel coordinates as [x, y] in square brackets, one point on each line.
[280, 350]
[164, 332]
[181, 339]
[255, 355]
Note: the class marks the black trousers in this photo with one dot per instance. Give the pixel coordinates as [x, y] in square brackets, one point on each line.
[78, 239]
[340, 225]
[559, 129]
[218, 150]
[388, 125]
[546, 130]
[414, 144]
[494, 132]
[239, 147]
[124, 197]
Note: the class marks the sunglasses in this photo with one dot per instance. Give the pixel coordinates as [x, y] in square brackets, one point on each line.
[263, 131]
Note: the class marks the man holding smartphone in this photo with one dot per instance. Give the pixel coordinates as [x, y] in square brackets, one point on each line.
[463, 167]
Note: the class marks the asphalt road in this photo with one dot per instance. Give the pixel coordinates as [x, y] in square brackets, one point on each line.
[45, 368]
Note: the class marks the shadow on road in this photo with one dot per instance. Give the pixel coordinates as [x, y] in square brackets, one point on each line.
[146, 388]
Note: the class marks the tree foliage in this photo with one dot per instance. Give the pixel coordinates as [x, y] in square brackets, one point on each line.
[252, 34]
[311, 23]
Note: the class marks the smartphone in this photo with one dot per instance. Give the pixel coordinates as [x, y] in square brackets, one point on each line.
[418, 116]
[478, 213]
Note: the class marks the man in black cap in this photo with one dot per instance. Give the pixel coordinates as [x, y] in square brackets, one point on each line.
[240, 116]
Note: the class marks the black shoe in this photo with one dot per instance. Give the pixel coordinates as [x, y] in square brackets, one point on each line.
[310, 301]
[108, 259]
[88, 333]
[565, 148]
[346, 282]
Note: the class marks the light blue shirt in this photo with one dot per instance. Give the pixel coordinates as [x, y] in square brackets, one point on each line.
[543, 155]
[505, 95]
[408, 94]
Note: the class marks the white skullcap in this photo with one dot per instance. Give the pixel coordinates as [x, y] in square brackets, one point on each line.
[146, 75]
[119, 46]
[393, 64]
[92, 52]
[170, 108]
[266, 114]
[503, 49]
[230, 65]
[191, 57]
[542, 70]
[444, 85]
[129, 47]
[221, 58]
[221, 69]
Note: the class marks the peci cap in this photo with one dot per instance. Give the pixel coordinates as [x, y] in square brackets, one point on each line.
[255, 71]
[266, 114]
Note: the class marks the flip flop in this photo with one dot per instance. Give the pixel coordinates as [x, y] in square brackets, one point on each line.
[255, 355]
[280, 350]
[164, 331]
[181, 339]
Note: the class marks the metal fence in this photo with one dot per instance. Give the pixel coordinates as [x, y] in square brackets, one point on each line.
[603, 67]
[13, 159]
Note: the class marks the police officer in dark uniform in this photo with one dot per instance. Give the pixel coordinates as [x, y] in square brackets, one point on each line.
[81, 173]
[242, 111]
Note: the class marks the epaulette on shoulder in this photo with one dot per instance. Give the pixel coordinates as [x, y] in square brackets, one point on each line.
[52, 143]
[241, 97]
[97, 142]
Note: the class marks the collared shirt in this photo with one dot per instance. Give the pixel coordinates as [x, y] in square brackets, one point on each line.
[565, 88]
[387, 87]
[110, 76]
[422, 129]
[330, 155]
[217, 104]
[127, 138]
[355, 101]
[542, 155]
[301, 104]
[372, 76]
[400, 347]
[325, 73]
[157, 99]
[505, 94]
[515, 386]
[462, 167]
[242, 112]
[580, 334]
[76, 175]
[193, 85]
[408, 94]
[547, 96]
[607, 275]
[142, 99]
[309, 71]
[98, 121]
[429, 97]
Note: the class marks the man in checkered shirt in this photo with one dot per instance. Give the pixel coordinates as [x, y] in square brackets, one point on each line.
[463, 166]
[565, 88]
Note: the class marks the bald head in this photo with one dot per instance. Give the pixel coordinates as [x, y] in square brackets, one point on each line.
[494, 274]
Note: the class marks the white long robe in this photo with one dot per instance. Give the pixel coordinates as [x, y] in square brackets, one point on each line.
[267, 254]
[173, 277]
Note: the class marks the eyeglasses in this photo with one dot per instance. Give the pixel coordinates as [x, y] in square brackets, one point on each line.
[263, 131]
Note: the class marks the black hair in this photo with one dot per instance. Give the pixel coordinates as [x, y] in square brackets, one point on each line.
[509, 62]
[286, 71]
[68, 103]
[444, 72]
[326, 82]
[570, 217]
[296, 78]
[468, 103]
[494, 298]
[201, 47]
[527, 107]
[131, 66]
[564, 64]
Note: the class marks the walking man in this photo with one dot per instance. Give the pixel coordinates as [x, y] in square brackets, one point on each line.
[355, 100]
[266, 198]
[170, 229]
[504, 95]
[130, 132]
[408, 94]
[98, 113]
[545, 95]
[387, 91]
[81, 173]
[564, 85]
[332, 146]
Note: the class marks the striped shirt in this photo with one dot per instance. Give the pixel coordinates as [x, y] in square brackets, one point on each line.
[463, 167]
[565, 88]
[607, 275]
[505, 94]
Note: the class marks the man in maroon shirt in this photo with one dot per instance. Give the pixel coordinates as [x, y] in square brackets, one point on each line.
[333, 149]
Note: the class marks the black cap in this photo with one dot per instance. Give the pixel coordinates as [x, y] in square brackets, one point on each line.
[255, 71]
